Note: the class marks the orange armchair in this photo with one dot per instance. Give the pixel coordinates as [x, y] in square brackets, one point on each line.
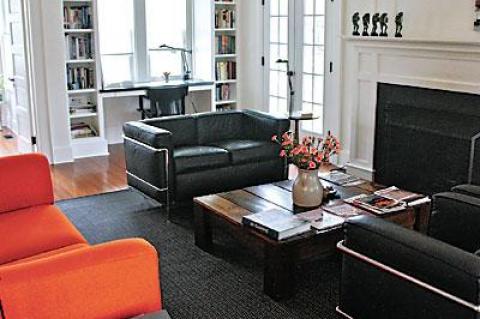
[48, 270]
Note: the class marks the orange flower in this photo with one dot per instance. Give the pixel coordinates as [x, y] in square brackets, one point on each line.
[274, 138]
[312, 165]
[283, 153]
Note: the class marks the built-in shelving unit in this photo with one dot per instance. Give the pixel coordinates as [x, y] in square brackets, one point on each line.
[225, 54]
[81, 74]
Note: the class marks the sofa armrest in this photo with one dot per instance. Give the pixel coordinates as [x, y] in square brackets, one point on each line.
[25, 181]
[426, 259]
[456, 220]
[148, 134]
[266, 125]
[115, 280]
[467, 189]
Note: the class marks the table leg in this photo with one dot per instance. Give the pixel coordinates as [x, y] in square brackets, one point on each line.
[203, 229]
[279, 273]
[422, 218]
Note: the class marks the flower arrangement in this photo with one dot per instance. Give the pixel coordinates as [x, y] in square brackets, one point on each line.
[311, 153]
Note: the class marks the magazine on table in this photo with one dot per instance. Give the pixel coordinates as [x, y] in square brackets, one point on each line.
[328, 222]
[342, 179]
[377, 204]
[344, 210]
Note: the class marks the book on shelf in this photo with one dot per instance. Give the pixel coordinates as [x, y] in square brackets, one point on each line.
[224, 19]
[78, 46]
[225, 70]
[83, 109]
[223, 92]
[342, 179]
[344, 210]
[410, 198]
[80, 77]
[225, 44]
[377, 204]
[281, 224]
[82, 130]
[225, 107]
[77, 17]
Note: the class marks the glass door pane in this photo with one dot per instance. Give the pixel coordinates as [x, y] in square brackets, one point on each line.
[278, 48]
[313, 63]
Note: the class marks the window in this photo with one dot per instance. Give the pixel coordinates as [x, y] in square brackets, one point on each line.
[131, 32]
[301, 23]
[117, 40]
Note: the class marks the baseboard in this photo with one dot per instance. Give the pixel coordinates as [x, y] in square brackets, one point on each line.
[360, 171]
[343, 313]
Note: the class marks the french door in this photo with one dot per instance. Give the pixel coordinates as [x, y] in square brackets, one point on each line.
[17, 84]
[296, 30]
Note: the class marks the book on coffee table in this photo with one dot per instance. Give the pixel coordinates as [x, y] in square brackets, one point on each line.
[344, 210]
[399, 194]
[342, 179]
[281, 224]
[377, 204]
[327, 222]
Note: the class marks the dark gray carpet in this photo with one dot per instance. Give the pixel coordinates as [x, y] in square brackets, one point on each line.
[196, 284]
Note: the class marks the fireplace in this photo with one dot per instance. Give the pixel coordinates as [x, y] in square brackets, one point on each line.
[426, 140]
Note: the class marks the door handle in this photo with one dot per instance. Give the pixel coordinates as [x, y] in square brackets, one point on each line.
[11, 80]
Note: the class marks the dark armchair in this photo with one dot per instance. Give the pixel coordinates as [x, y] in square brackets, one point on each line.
[392, 272]
[175, 158]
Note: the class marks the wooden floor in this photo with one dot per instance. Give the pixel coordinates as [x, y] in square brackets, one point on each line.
[83, 177]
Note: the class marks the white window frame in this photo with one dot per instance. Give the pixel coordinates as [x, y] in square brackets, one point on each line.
[141, 59]
[332, 98]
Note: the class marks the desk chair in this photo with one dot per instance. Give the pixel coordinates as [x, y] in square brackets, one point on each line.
[164, 101]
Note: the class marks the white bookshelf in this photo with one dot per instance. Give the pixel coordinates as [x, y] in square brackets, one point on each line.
[82, 81]
[226, 85]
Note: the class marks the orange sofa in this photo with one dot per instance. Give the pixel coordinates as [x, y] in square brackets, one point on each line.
[47, 268]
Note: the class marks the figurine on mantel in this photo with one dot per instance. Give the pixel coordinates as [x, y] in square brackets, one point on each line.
[366, 24]
[356, 25]
[384, 25]
[399, 25]
[375, 21]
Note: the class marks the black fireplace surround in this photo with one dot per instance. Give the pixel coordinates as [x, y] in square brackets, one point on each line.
[426, 140]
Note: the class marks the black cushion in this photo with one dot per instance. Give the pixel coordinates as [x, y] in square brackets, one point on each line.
[213, 127]
[248, 151]
[467, 189]
[183, 128]
[195, 158]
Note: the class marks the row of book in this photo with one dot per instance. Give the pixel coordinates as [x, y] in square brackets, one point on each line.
[82, 130]
[282, 224]
[81, 104]
[79, 46]
[80, 77]
[224, 19]
[77, 17]
[226, 70]
[225, 44]
[223, 92]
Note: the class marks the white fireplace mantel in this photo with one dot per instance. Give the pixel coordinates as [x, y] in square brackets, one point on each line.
[437, 64]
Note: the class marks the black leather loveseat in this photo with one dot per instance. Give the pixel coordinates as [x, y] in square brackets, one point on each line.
[192, 155]
[392, 272]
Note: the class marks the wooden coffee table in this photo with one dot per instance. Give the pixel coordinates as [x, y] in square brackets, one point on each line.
[281, 257]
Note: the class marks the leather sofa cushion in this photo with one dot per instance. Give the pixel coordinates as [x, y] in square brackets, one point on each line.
[35, 230]
[467, 189]
[194, 158]
[182, 127]
[227, 125]
[248, 151]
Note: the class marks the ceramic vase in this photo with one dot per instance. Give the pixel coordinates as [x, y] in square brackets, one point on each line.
[307, 189]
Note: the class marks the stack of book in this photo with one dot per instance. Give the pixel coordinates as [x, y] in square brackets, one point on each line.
[281, 225]
[77, 17]
[80, 77]
[226, 70]
[342, 179]
[223, 92]
[81, 104]
[224, 19]
[78, 46]
[377, 204]
[82, 130]
[225, 44]
[409, 198]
